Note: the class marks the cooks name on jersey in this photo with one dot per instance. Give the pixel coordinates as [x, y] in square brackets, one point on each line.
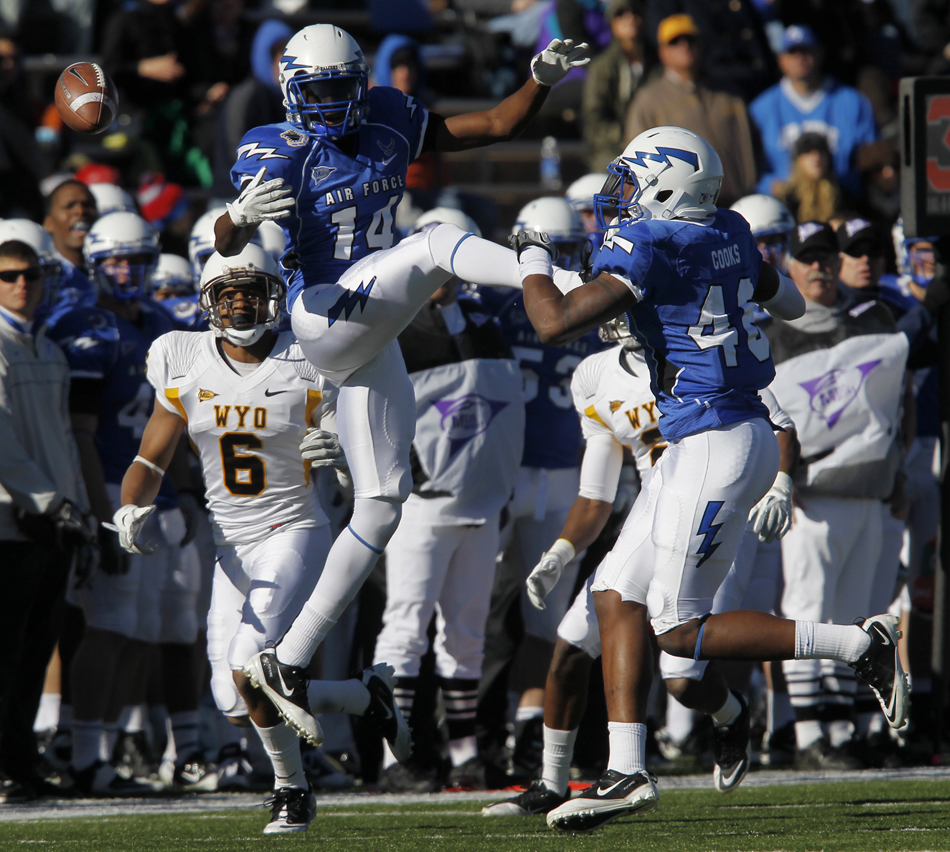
[240, 420]
[373, 187]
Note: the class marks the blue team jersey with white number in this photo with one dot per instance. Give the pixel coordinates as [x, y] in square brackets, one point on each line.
[552, 429]
[185, 312]
[694, 314]
[344, 206]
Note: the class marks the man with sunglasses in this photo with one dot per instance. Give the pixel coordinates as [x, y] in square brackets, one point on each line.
[42, 508]
[840, 376]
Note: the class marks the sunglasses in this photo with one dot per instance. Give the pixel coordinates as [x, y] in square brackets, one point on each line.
[32, 274]
[683, 39]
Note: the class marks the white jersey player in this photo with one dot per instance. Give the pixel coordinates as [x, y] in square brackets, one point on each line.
[248, 398]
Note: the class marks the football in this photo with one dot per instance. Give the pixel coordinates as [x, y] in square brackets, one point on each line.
[86, 98]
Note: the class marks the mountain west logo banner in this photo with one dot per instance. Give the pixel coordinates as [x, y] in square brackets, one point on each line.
[846, 405]
[470, 433]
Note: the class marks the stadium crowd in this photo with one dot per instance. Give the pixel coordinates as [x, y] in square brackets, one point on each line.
[799, 100]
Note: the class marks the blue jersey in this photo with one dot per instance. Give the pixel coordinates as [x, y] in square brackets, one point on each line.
[185, 312]
[76, 290]
[344, 206]
[693, 316]
[552, 429]
[100, 345]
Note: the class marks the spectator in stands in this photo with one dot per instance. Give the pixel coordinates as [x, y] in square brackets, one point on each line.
[679, 97]
[612, 80]
[811, 193]
[580, 20]
[805, 100]
[255, 101]
[70, 212]
[42, 497]
[736, 55]
[14, 93]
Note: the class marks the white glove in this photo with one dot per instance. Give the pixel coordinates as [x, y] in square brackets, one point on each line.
[556, 61]
[548, 571]
[129, 521]
[259, 201]
[772, 516]
[322, 449]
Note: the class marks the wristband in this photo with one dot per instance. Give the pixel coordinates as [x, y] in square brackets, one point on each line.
[149, 465]
[563, 550]
[534, 260]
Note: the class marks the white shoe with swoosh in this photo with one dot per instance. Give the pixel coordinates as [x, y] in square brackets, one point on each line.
[614, 795]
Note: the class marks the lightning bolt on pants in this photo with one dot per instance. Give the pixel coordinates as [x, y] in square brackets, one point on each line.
[695, 508]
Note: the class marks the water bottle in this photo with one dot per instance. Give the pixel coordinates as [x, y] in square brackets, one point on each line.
[550, 164]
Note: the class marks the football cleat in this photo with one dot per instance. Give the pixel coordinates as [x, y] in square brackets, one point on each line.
[292, 810]
[880, 668]
[537, 799]
[324, 772]
[234, 769]
[100, 779]
[383, 713]
[614, 795]
[194, 774]
[733, 751]
[286, 687]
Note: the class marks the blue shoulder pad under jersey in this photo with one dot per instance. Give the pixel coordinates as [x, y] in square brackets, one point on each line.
[552, 428]
[185, 312]
[345, 197]
[89, 337]
[75, 290]
[694, 316]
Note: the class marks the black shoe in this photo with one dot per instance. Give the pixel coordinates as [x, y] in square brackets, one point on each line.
[537, 799]
[880, 668]
[286, 687]
[614, 795]
[194, 774]
[100, 779]
[323, 772]
[408, 777]
[478, 774]
[778, 748]
[132, 757]
[292, 810]
[733, 752]
[234, 769]
[822, 755]
[383, 713]
[13, 792]
[529, 748]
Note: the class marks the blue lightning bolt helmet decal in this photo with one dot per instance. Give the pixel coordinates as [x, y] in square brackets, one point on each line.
[708, 530]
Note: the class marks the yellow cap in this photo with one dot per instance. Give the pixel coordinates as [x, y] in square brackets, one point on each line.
[675, 26]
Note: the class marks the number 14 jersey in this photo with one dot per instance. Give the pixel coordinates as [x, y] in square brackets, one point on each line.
[246, 430]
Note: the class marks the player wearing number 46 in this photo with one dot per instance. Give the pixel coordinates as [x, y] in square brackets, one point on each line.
[687, 275]
[251, 404]
[332, 175]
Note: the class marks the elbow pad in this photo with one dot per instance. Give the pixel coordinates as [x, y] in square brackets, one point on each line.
[787, 303]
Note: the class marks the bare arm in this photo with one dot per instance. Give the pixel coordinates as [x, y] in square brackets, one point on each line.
[229, 239]
[585, 521]
[159, 442]
[560, 318]
[788, 450]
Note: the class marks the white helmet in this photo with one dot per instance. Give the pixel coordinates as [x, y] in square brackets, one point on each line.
[112, 199]
[449, 216]
[771, 222]
[325, 80]
[122, 235]
[272, 238]
[173, 273]
[581, 193]
[201, 240]
[664, 173]
[563, 225]
[27, 231]
[252, 268]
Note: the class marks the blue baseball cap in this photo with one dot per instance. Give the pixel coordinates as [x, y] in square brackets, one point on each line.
[798, 35]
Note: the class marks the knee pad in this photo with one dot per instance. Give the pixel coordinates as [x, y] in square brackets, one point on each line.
[443, 241]
[245, 644]
[375, 519]
[225, 692]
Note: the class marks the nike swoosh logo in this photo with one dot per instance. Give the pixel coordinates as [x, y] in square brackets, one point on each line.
[274, 393]
[283, 685]
[389, 713]
[387, 162]
[611, 787]
[728, 779]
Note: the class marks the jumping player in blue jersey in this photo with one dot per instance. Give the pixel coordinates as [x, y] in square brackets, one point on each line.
[332, 176]
[687, 275]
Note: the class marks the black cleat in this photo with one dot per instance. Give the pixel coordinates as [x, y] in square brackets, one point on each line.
[880, 668]
[614, 795]
[733, 751]
[537, 799]
[383, 712]
[286, 687]
[408, 777]
[292, 810]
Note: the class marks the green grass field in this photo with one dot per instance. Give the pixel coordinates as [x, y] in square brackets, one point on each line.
[872, 816]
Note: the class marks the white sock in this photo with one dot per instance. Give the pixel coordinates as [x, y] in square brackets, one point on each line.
[133, 717]
[807, 732]
[185, 729]
[388, 757]
[304, 636]
[462, 749]
[780, 711]
[558, 754]
[843, 642]
[529, 712]
[679, 719]
[47, 714]
[627, 747]
[107, 742]
[338, 696]
[840, 732]
[283, 748]
[728, 713]
[87, 740]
